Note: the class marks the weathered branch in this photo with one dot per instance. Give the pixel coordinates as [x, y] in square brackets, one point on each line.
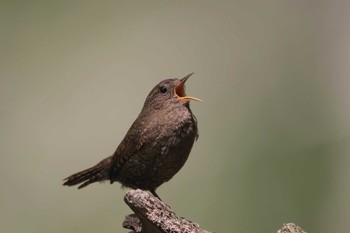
[154, 216]
[290, 228]
[151, 215]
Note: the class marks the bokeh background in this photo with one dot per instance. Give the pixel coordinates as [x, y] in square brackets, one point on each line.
[274, 127]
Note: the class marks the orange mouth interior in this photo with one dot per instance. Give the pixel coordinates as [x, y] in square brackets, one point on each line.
[180, 92]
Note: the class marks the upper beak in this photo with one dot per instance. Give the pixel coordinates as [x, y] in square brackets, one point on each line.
[180, 90]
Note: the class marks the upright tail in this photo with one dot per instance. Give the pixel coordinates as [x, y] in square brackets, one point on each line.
[97, 173]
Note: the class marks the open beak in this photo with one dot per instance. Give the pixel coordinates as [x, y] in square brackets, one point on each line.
[180, 90]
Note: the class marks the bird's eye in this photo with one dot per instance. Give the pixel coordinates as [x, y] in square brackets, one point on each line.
[163, 89]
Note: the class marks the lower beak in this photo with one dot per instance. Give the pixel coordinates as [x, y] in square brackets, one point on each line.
[180, 90]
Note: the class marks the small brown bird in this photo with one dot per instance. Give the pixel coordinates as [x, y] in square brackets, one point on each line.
[155, 147]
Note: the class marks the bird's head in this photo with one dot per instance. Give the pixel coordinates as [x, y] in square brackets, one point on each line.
[169, 92]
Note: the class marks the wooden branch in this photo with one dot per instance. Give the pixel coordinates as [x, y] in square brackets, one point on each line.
[154, 216]
[290, 228]
[151, 215]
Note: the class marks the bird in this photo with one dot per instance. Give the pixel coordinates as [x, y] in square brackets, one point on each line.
[155, 147]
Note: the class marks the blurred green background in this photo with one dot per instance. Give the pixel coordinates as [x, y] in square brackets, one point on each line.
[274, 133]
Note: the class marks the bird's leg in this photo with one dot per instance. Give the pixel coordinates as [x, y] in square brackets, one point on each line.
[155, 194]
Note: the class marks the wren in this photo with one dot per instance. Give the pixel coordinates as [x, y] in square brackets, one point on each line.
[155, 147]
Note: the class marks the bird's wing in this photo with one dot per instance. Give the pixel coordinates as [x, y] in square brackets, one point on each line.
[139, 134]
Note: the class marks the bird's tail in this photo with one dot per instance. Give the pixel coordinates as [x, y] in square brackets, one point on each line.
[97, 173]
